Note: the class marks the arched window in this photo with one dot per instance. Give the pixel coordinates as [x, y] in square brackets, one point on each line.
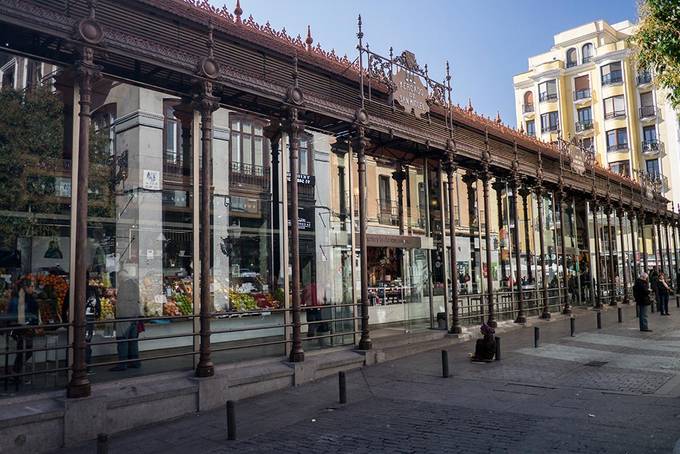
[528, 102]
[572, 60]
[586, 53]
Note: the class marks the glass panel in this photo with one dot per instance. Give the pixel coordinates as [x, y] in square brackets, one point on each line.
[247, 152]
[35, 215]
[140, 216]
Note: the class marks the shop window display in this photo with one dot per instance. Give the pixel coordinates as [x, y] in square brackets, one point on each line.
[35, 214]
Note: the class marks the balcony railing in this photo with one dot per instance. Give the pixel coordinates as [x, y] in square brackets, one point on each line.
[586, 59]
[618, 147]
[388, 212]
[572, 63]
[652, 146]
[644, 77]
[583, 125]
[615, 77]
[550, 128]
[248, 174]
[582, 94]
[545, 96]
[527, 108]
[614, 114]
[648, 111]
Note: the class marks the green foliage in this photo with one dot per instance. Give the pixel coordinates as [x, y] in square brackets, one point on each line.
[657, 42]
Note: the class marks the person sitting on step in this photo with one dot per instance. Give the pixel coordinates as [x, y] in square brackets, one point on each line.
[485, 348]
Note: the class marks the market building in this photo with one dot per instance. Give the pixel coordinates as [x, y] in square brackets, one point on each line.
[195, 205]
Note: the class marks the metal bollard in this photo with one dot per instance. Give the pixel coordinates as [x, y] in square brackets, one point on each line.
[537, 334]
[572, 326]
[342, 386]
[231, 420]
[599, 320]
[498, 348]
[620, 313]
[102, 444]
[653, 306]
[677, 300]
[445, 364]
[637, 311]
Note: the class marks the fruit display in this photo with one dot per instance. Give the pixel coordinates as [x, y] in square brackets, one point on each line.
[241, 302]
[184, 304]
[107, 310]
[170, 309]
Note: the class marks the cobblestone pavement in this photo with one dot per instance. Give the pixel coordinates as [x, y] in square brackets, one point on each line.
[614, 390]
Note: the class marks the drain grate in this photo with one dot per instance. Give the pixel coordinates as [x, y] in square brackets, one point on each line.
[596, 363]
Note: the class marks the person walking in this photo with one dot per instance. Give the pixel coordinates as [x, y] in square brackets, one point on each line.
[642, 300]
[664, 292]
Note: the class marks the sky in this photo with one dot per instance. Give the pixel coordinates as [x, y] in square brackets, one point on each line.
[485, 41]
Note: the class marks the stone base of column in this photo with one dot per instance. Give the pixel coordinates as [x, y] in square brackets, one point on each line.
[567, 309]
[545, 315]
[78, 388]
[492, 323]
[614, 303]
[456, 329]
[521, 319]
[297, 357]
[205, 369]
[365, 343]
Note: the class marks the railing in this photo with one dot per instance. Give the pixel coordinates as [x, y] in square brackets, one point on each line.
[388, 212]
[248, 174]
[572, 63]
[586, 59]
[545, 96]
[614, 77]
[651, 146]
[648, 111]
[527, 108]
[550, 128]
[582, 94]
[617, 147]
[583, 125]
[614, 114]
[644, 77]
[36, 357]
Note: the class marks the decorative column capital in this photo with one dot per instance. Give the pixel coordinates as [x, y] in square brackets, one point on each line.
[399, 175]
[470, 177]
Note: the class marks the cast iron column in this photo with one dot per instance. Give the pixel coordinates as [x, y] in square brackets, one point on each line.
[610, 246]
[295, 127]
[631, 218]
[521, 318]
[675, 248]
[450, 168]
[524, 193]
[659, 246]
[206, 104]
[499, 186]
[545, 314]
[621, 214]
[273, 133]
[668, 251]
[491, 320]
[360, 144]
[598, 264]
[642, 222]
[87, 73]
[470, 178]
[565, 272]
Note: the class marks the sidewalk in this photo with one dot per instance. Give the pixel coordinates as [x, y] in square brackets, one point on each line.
[590, 393]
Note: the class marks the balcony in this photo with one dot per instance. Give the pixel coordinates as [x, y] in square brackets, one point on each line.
[586, 59]
[527, 108]
[582, 94]
[242, 174]
[388, 212]
[612, 78]
[550, 128]
[615, 114]
[582, 126]
[644, 78]
[617, 147]
[651, 147]
[648, 112]
[545, 97]
[571, 64]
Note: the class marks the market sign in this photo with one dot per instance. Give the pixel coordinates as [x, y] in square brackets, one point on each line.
[410, 92]
[398, 241]
[578, 159]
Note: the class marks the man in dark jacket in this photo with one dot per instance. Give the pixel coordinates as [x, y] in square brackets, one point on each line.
[641, 295]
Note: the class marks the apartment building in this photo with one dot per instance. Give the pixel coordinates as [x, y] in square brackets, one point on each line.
[588, 87]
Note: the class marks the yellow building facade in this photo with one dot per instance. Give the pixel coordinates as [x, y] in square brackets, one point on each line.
[588, 87]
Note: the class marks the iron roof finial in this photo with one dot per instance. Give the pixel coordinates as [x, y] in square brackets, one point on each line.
[498, 117]
[238, 11]
[360, 33]
[309, 39]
